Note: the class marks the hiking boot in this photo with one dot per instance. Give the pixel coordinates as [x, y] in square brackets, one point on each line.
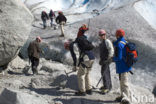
[89, 92]
[119, 99]
[101, 88]
[124, 101]
[79, 93]
[61, 35]
[104, 91]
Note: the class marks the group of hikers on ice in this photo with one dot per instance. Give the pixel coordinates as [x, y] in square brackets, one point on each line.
[121, 52]
[60, 19]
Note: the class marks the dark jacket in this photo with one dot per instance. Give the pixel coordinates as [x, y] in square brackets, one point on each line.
[61, 18]
[121, 66]
[51, 14]
[73, 48]
[106, 50]
[34, 50]
[44, 16]
[103, 51]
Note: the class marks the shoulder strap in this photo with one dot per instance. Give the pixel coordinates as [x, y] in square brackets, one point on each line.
[123, 42]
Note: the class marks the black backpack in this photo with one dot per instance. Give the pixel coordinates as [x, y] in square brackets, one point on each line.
[131, 53]
[84, 44]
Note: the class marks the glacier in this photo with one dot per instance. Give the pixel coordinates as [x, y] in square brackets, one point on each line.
[146, 8]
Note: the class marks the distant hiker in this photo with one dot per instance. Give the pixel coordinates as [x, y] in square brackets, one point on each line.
[106, 54]
[51, 16]
[44, 18]
[34, 54]
[82, 30]
[121, 67]
[61, 19]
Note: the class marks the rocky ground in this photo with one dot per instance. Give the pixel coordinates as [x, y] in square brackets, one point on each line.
[53, 86]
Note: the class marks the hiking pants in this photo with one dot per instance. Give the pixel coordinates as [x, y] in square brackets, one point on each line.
[44, 24]
[105, 73]
[83, 76]
[34, 64]
[51, 23]
[62, 27]
[124, 86]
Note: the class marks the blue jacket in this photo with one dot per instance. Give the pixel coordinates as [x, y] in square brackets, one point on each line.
[121, 66]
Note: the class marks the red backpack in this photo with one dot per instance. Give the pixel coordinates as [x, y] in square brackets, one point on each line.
[131, 53]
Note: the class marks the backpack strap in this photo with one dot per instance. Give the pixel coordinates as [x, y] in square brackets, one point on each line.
[123, 42]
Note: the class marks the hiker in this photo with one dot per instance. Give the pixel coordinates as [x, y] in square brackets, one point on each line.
[121, 67]
[61, 20]
[106, 54]
[34, 54]
[86, 60]
[51, 16]
[44, 18]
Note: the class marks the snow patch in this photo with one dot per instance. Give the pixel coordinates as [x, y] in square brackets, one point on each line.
[147, 9]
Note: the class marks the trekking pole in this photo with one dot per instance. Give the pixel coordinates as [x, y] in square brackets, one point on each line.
[99, 82]
[67, 73]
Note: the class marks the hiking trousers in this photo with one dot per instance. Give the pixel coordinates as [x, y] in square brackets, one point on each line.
[44, 24]
[51, 23]
[105, 73]
[62, 27]
[83, 76]
[34, 64]
[124, 86]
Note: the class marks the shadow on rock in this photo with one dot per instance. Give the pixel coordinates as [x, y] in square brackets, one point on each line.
[51, 91]
[63, 81]
[146, 56]
[83, 101]
[154, 91]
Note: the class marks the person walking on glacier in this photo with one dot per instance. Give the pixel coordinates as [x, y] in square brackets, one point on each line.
[61, 20]
[51, 16]
[34, 54]
[121, 67]
[44, 18]
[106, 54]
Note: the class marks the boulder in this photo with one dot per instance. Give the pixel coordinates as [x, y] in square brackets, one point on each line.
[16, 97]
[15, 26]
[18, 63]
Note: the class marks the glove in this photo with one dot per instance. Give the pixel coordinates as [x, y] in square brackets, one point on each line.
[75, 68]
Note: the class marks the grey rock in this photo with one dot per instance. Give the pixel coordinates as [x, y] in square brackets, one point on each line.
[16, 97]
[15, 26]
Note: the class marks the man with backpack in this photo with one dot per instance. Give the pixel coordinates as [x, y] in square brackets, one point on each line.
[86, 60]
[34, 54]
[51, 16]
[121, 67]
[44, 18]
[61, 20]
[106, 54]
[83, 61]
